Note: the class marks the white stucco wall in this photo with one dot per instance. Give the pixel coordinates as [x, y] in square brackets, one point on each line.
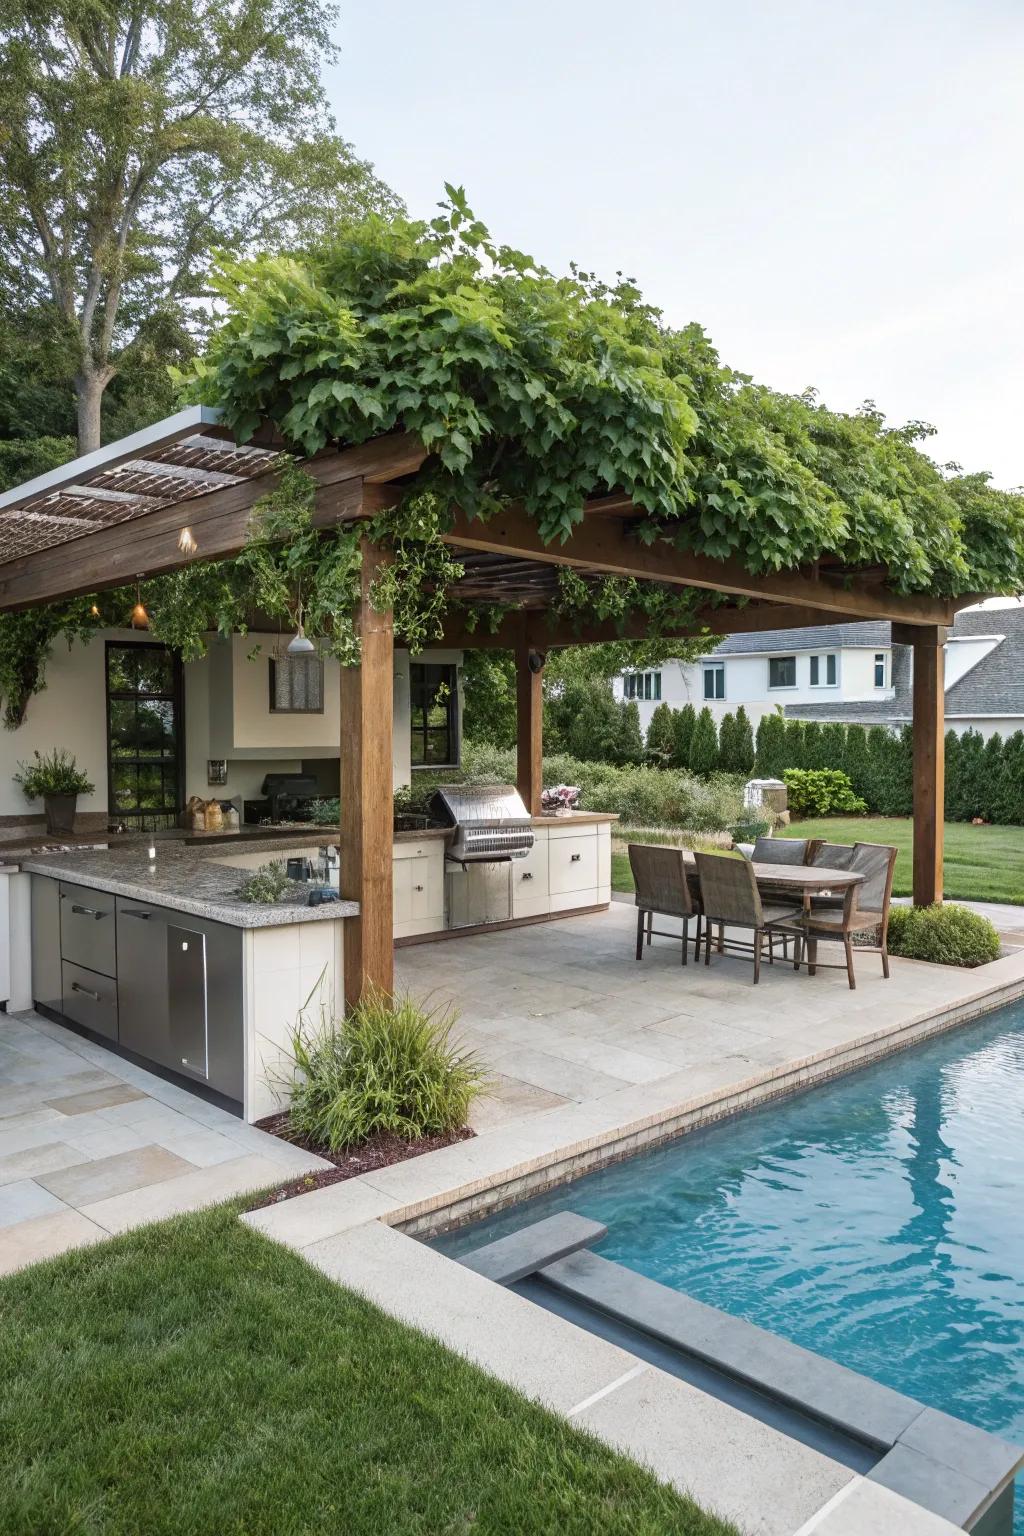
[70, 712]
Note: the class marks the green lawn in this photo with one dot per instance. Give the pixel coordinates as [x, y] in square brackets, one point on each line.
[981, 864]
[194, 1379]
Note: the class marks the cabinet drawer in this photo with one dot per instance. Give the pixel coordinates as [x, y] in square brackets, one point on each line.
[572, 864]
[564, 826]
[90, 999]
[88, 928]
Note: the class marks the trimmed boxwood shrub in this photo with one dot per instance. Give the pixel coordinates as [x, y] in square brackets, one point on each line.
[821, 792]
[945, 934]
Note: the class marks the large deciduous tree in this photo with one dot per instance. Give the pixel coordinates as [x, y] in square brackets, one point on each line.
[140, 135]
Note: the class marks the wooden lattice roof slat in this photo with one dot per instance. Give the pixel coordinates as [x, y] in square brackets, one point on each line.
[176, 460]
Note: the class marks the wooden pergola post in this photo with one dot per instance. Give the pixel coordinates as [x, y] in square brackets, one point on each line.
[927, 642]
[529, 719]
[367, 805]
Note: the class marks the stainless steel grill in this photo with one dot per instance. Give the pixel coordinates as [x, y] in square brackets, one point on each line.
[490, 822]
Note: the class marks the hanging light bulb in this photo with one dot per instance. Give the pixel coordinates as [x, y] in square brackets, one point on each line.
[140, 618]
[94, 611]
[187, 542]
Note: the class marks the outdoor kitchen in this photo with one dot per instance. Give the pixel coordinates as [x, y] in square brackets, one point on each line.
[188, 905]
[152, 946]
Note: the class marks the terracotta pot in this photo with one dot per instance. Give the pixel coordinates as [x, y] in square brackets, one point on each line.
[60, 812]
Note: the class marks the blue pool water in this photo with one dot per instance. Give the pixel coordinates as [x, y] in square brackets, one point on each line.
[877, 1221]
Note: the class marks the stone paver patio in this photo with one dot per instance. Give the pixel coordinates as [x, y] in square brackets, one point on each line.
[563, 1015]
[589, 1053]
[91, 1144]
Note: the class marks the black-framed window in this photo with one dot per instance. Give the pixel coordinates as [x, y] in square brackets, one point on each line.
[782, 672]
[145, 734]
[434, 714]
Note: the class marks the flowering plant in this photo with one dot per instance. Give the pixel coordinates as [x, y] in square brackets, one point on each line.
[562, 799]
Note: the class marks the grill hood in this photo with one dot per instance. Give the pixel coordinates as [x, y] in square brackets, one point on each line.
[489, 821]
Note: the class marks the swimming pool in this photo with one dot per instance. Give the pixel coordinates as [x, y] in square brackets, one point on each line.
[877, 1221]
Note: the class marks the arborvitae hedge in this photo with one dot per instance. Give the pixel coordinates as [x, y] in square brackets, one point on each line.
[984, 778]
[661, 737]
[704, 744]
[744, 745]
[684, 720]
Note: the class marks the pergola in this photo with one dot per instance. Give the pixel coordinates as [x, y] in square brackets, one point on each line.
[116, 515]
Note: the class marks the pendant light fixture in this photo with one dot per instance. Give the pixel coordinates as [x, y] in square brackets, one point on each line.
[300, 644]
[187, 542]
[140, 618]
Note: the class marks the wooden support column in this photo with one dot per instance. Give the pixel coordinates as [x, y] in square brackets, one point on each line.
[929, 758]
[367, 805]
[529, 719]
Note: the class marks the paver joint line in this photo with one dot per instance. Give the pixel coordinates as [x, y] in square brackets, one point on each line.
[613, 1386]
[826, 1509]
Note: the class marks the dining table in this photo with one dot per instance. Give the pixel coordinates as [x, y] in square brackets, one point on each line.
[805, 880]
[797, 880]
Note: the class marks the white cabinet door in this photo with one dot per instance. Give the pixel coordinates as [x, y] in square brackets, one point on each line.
[530, 896]
[572, 865]
[418, 871]
[5, 940]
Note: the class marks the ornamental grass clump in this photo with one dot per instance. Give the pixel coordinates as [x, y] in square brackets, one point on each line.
[391, 1066]
[944, 934]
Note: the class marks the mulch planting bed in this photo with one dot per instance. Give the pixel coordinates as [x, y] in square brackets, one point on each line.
[378, 1152]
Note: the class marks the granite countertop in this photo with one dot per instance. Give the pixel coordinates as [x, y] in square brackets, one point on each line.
[186, 880]
[581, 818]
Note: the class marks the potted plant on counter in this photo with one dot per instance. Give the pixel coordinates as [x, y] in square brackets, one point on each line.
[56, 779]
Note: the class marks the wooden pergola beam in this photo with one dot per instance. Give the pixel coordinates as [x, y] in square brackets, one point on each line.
[367, 773]
[929, 751]
[549, 631]
[529, 719]
[605, 544]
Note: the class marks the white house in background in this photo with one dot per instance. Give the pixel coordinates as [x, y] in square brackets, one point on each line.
[848, 662]
[849, 672]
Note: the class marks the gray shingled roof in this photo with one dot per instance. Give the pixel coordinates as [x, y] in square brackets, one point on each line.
[825, 637]
[994, 686]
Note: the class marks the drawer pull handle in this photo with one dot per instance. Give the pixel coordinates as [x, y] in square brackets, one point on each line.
[527, 875]
[417, 887]
[143, 917]
[87, 912]
[76, 987]
[575, 858]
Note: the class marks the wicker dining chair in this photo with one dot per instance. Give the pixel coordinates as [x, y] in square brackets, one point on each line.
[830, 856]
[663, 890]
[730, 897]
[863, 912]
[780, 850]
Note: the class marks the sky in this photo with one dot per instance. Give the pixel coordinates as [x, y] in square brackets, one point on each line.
[833, 192]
